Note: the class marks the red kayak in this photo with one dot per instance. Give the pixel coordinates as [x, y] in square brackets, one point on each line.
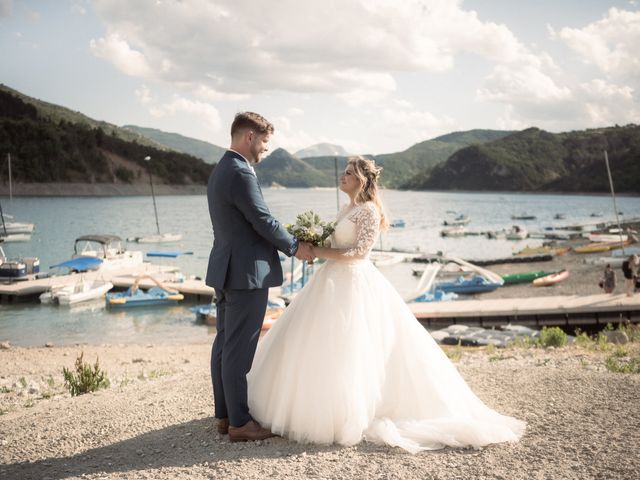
[551, 279]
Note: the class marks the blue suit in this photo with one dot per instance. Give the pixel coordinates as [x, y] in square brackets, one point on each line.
[243, 264]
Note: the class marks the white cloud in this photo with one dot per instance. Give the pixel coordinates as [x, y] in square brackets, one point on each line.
[535, 91]
[205, 112]
[611, 43]
[118, 51]
[350, 48]
[144, 95]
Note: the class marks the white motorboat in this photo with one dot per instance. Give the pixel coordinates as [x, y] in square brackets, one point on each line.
[15, 237]
[457, 231]
[517, 232]
[107, 248]
[384, 259]
[458, 220]
[157, 238]
[17, 227]
[80, 291]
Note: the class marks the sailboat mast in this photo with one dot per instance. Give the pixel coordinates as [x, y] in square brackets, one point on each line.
[10, 186]
[613, 196]
[153, 195]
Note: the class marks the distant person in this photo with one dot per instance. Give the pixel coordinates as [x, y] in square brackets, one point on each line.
[629, 270]
[243, 264]
[608, 282]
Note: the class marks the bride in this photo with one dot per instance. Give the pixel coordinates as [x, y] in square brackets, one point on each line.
[348, 361]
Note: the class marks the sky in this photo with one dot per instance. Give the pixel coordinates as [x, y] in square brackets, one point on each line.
[374, 76]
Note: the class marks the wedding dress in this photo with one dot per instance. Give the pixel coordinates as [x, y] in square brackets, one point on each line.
[347, 361]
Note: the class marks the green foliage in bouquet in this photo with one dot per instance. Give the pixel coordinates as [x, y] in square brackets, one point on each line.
[309, 227]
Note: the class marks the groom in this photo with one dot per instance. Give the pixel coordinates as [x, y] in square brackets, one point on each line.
[243, 264]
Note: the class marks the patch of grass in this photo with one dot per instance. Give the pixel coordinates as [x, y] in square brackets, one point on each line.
[5, 389]
[23, 381]
[624, 364]
[51, 382]
[632, 331]
[455, 354]
[553, 337]
[583, 339]
[524, 341]
[30, 403]
[490, 349]
[46, 395]
[86, 378]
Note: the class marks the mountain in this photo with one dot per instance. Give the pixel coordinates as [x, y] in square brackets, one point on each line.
[535, 160]
[56, 113]
[322, 150]
[208, 152]
[52, 144]
[401, 168]
[282, 168]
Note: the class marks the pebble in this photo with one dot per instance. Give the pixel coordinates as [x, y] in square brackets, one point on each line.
[5, 346]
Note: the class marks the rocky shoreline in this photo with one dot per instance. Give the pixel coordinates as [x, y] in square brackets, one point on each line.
[155, 421]
[98, 189]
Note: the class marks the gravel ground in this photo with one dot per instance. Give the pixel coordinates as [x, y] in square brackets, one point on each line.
[155, 421]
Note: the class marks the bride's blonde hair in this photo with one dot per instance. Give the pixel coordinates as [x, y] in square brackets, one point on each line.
[367, 174]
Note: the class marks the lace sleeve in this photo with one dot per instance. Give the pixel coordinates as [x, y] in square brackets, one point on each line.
[367, 220]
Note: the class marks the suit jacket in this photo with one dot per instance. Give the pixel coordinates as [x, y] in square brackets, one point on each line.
[246, 236]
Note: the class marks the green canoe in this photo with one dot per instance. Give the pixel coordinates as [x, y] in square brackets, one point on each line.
[525, 277]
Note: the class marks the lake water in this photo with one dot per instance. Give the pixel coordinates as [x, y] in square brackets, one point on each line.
[60, 220]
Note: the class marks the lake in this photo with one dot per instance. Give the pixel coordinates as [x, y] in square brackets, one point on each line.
[59, 220]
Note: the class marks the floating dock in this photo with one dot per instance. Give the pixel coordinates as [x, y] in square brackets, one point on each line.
[563, 311]
[27, 290]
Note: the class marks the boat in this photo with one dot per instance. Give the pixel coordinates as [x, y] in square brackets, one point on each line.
[15, 237]
[16, 227]
[134, 296]
[559, 216]
[517, 232]
[384, 259]
[436, 296]
[551, 279]
[544, 249]
[523, 216]
[20, 269]
[457, 220]
[599, 247]
[82, 289]
[607, 237]
[107, 248]
[458, 231]
[524, 277]
[207, 312]
[475, 284]
[156, 237]
[397, 223]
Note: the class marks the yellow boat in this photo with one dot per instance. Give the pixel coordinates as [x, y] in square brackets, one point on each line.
[599, 247]
[555, 251]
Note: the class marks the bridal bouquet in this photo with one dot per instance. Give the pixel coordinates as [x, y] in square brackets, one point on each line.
[310, 228]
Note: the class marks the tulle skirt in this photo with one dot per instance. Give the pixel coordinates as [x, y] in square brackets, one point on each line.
[348, 361]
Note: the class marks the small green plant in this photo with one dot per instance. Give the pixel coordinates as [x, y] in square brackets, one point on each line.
[583, 339]
[490, 349]
[632, 331]
[86, 379]
[618, 364]
[23, 382]
[523, 341]
[455, 354]
[4, 389]
[553, 337]
[51, 382]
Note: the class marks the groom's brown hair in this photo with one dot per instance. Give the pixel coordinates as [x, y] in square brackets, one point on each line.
[252, 121]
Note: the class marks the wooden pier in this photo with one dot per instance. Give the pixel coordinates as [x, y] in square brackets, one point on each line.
[28, 290]
[564, 311]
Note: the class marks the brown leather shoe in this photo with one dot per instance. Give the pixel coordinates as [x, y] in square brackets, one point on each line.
[223, 426]
[250, 431]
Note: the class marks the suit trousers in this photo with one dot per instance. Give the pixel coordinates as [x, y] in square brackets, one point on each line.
[239, 317]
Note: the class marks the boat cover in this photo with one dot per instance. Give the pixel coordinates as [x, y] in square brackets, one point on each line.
[80, 264]
[167, 254]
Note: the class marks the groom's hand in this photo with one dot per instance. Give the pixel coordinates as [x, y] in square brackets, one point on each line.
[305, 251]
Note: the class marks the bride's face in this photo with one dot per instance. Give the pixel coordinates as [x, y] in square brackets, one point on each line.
[349, 183]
